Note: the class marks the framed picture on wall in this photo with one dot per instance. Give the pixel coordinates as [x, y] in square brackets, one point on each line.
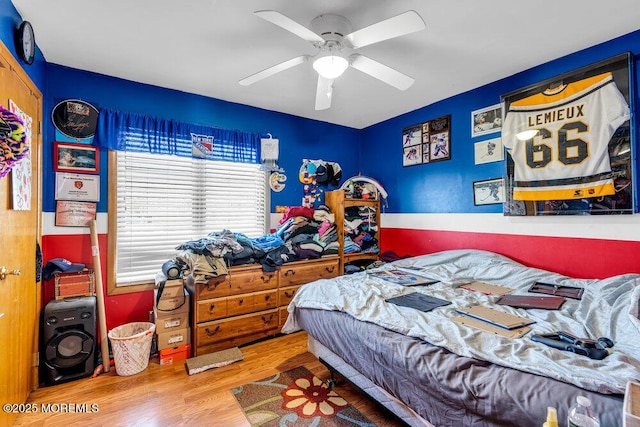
[412, 155]
[411, 145]
[486, 120]
[570, 145]
[427, 142]
[440, 139]
[79, 158]
[411, 136]
[74, 214]
[488, 192]
[488, 151]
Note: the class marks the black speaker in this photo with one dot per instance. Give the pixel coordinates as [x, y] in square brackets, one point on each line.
[68, 346]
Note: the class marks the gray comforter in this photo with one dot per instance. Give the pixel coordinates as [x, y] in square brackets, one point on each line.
[608, 308]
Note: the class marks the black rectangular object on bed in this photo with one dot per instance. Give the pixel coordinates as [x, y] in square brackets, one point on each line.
[557, 290]
[418, 301]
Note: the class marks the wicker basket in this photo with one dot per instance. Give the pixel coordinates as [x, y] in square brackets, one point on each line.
[131, 345]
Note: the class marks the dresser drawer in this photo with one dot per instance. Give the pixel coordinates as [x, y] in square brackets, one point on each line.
[285, 295]
[305, 272]
[211, 309]
[232, 342]
[214, 288]
[252, 281]
[248, 324]
[248, 303]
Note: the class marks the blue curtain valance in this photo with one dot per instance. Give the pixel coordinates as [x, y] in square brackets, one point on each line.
[123, 131]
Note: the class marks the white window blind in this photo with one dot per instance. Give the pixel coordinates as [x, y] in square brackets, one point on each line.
[163, 201]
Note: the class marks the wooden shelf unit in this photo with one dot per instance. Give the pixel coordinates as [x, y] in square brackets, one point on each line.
[338, 202]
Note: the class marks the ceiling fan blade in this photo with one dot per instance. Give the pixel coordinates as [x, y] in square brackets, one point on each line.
[381, 72]
[273, 70]
[289, 24]
[324, 93]
[400, 25]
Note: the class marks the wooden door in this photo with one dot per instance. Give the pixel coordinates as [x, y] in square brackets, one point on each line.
[19, 233]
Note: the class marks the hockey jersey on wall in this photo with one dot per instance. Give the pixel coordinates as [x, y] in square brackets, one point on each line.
[568, 157]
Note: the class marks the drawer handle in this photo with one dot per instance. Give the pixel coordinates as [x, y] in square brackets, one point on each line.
[240, 301]
[210, 332]
[212, 286]
[330, 269]
[266, 319]
[289, 295]
[292, 272]
[267, 297]
[266, 279]
[212, 307]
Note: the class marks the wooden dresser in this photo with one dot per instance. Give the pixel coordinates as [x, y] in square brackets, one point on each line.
[249, 303]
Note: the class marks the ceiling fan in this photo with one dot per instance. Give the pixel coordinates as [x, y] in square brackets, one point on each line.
[334, 38]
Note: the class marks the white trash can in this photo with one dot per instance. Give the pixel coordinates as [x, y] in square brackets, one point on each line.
[131, 346]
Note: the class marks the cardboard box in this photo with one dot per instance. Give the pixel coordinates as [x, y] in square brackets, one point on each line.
[173, 304]
[174, 354]
[74, 284]
[170, 321]
[171, 283]
[174, 338]
[160, 277]
[168, 293]
[165, 314]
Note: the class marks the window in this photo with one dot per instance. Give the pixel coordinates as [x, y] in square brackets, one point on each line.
[159, 201]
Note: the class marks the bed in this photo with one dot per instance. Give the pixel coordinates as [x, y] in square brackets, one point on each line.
[430, 370]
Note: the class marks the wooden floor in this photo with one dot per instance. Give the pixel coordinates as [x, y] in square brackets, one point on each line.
[167, 396]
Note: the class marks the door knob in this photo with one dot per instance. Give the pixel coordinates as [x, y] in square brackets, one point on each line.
[4, 272]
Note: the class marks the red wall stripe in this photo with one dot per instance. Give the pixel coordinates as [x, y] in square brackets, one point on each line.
[119, 309]
[574, 257]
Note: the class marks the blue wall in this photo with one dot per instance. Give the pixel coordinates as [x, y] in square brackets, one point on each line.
[9, 22]
[441, 187]
[446, 186]
[299, 138]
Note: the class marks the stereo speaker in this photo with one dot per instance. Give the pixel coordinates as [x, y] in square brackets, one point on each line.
[68, 346]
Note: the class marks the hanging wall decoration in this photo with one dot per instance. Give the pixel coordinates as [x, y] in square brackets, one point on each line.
[76, 158]
[569, 143]
[427, 142]
[412, 145]
[488, 151]
[13, 141]
[486, 120]
[277, 181]
[75, 121]
[488, 192]
[315, 175]
[75, 186]
[269, 153]
[21, 176]
[74, 214]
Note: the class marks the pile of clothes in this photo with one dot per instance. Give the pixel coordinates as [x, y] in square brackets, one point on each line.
[303, 233]
[360, 228]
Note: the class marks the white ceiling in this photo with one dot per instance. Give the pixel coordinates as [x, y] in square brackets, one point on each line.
[206, 46]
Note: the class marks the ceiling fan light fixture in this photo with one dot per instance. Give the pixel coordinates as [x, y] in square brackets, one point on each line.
[330, 66]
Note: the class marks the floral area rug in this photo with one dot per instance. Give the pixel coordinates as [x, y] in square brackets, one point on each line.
[296, 398]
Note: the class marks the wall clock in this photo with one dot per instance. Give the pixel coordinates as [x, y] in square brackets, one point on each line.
[26, 42]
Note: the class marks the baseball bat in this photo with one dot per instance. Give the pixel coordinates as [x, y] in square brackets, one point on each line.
[102, 318]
